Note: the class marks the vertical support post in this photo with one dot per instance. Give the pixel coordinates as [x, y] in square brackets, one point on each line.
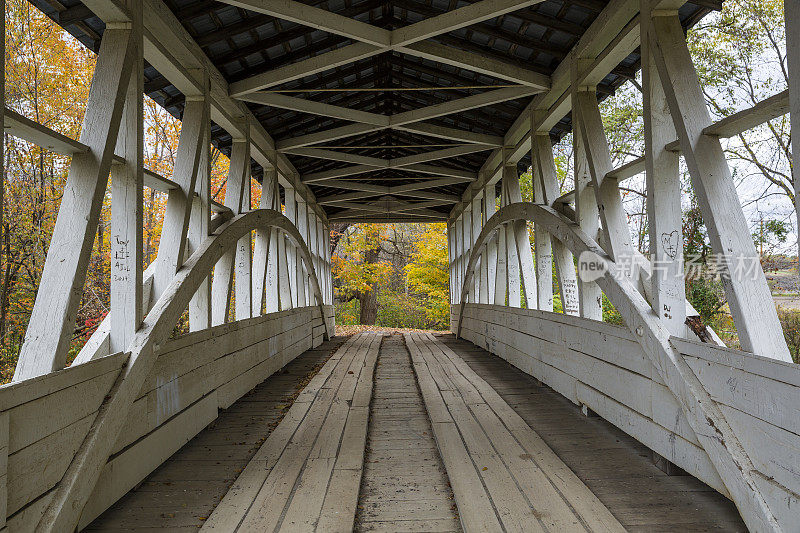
[302, 277]
[243, 283]
[284, 276]
[664, 217]
[490, 266]
[328, 259]
[322, 269]
[126, 202]
[501, 271]
[53, 317]
[483, 284]
[451, 247]
[199, 225]
[565, 266]
[522, 240]
[466, 221]
[587, 215]
[290, 205]
[459, 232]
[477, 212]
[512, 257]
[238, 176]
[309, 238]
[748, 296]
[312, 248]
[612, 214]
[543, 248]
[264, 296]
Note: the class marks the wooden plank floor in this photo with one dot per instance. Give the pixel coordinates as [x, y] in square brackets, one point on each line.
[306, 476]
[504, 477]
[405, 487]
[182, 493]
[617, 469]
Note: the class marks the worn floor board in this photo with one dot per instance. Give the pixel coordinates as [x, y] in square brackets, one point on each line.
[405, 487]
[595, 451]
[182, 493]
[507, 470]
[305, 477]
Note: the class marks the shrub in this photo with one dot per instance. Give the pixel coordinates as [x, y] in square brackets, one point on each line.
[790, 321]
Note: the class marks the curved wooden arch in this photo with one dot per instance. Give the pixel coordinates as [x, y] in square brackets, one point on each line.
[706, 419]
[72, 492]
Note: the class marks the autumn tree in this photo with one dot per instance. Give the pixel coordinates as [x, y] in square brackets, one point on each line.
[428, 272]
[359, 271]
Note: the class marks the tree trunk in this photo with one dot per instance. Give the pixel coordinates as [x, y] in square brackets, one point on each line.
[369, 299]
[369, 308]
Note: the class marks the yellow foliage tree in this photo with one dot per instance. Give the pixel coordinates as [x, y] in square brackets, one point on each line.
[428, 272]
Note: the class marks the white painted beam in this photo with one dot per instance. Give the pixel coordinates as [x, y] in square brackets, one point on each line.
[435, 155]
[126, 206]
[464, 175]
[664, 215]
[452, 134]
[456, 19]
[420, 185]
[314, 65]
[483, 64]
[405, 118]
[52, 320]
[315, 17]
[172, 244]
[243, 266]
[587, 216]
[334, 155]
[24, 128]
[412, 163]
[238, 178]
[461, 105]
[349, 196]
[749, 297]
[327, 135]
[327, 175]
[199, 230]
[265, 285]
[302, 105]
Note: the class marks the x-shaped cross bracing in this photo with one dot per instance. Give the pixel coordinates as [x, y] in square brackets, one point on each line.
[372, 41]
[389, 206]
[411, 121]
[413, 190]
[411, 163]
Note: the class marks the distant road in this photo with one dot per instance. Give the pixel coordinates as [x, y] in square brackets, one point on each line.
[789, 302]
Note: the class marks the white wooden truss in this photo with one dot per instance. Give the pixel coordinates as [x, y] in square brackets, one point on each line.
[229, 263]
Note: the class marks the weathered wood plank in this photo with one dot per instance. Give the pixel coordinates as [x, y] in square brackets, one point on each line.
[493, 415]
[287, 482]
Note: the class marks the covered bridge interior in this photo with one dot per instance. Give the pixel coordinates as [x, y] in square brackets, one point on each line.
[524, 419]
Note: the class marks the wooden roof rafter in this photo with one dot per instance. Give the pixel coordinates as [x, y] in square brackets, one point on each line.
[487, 39]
